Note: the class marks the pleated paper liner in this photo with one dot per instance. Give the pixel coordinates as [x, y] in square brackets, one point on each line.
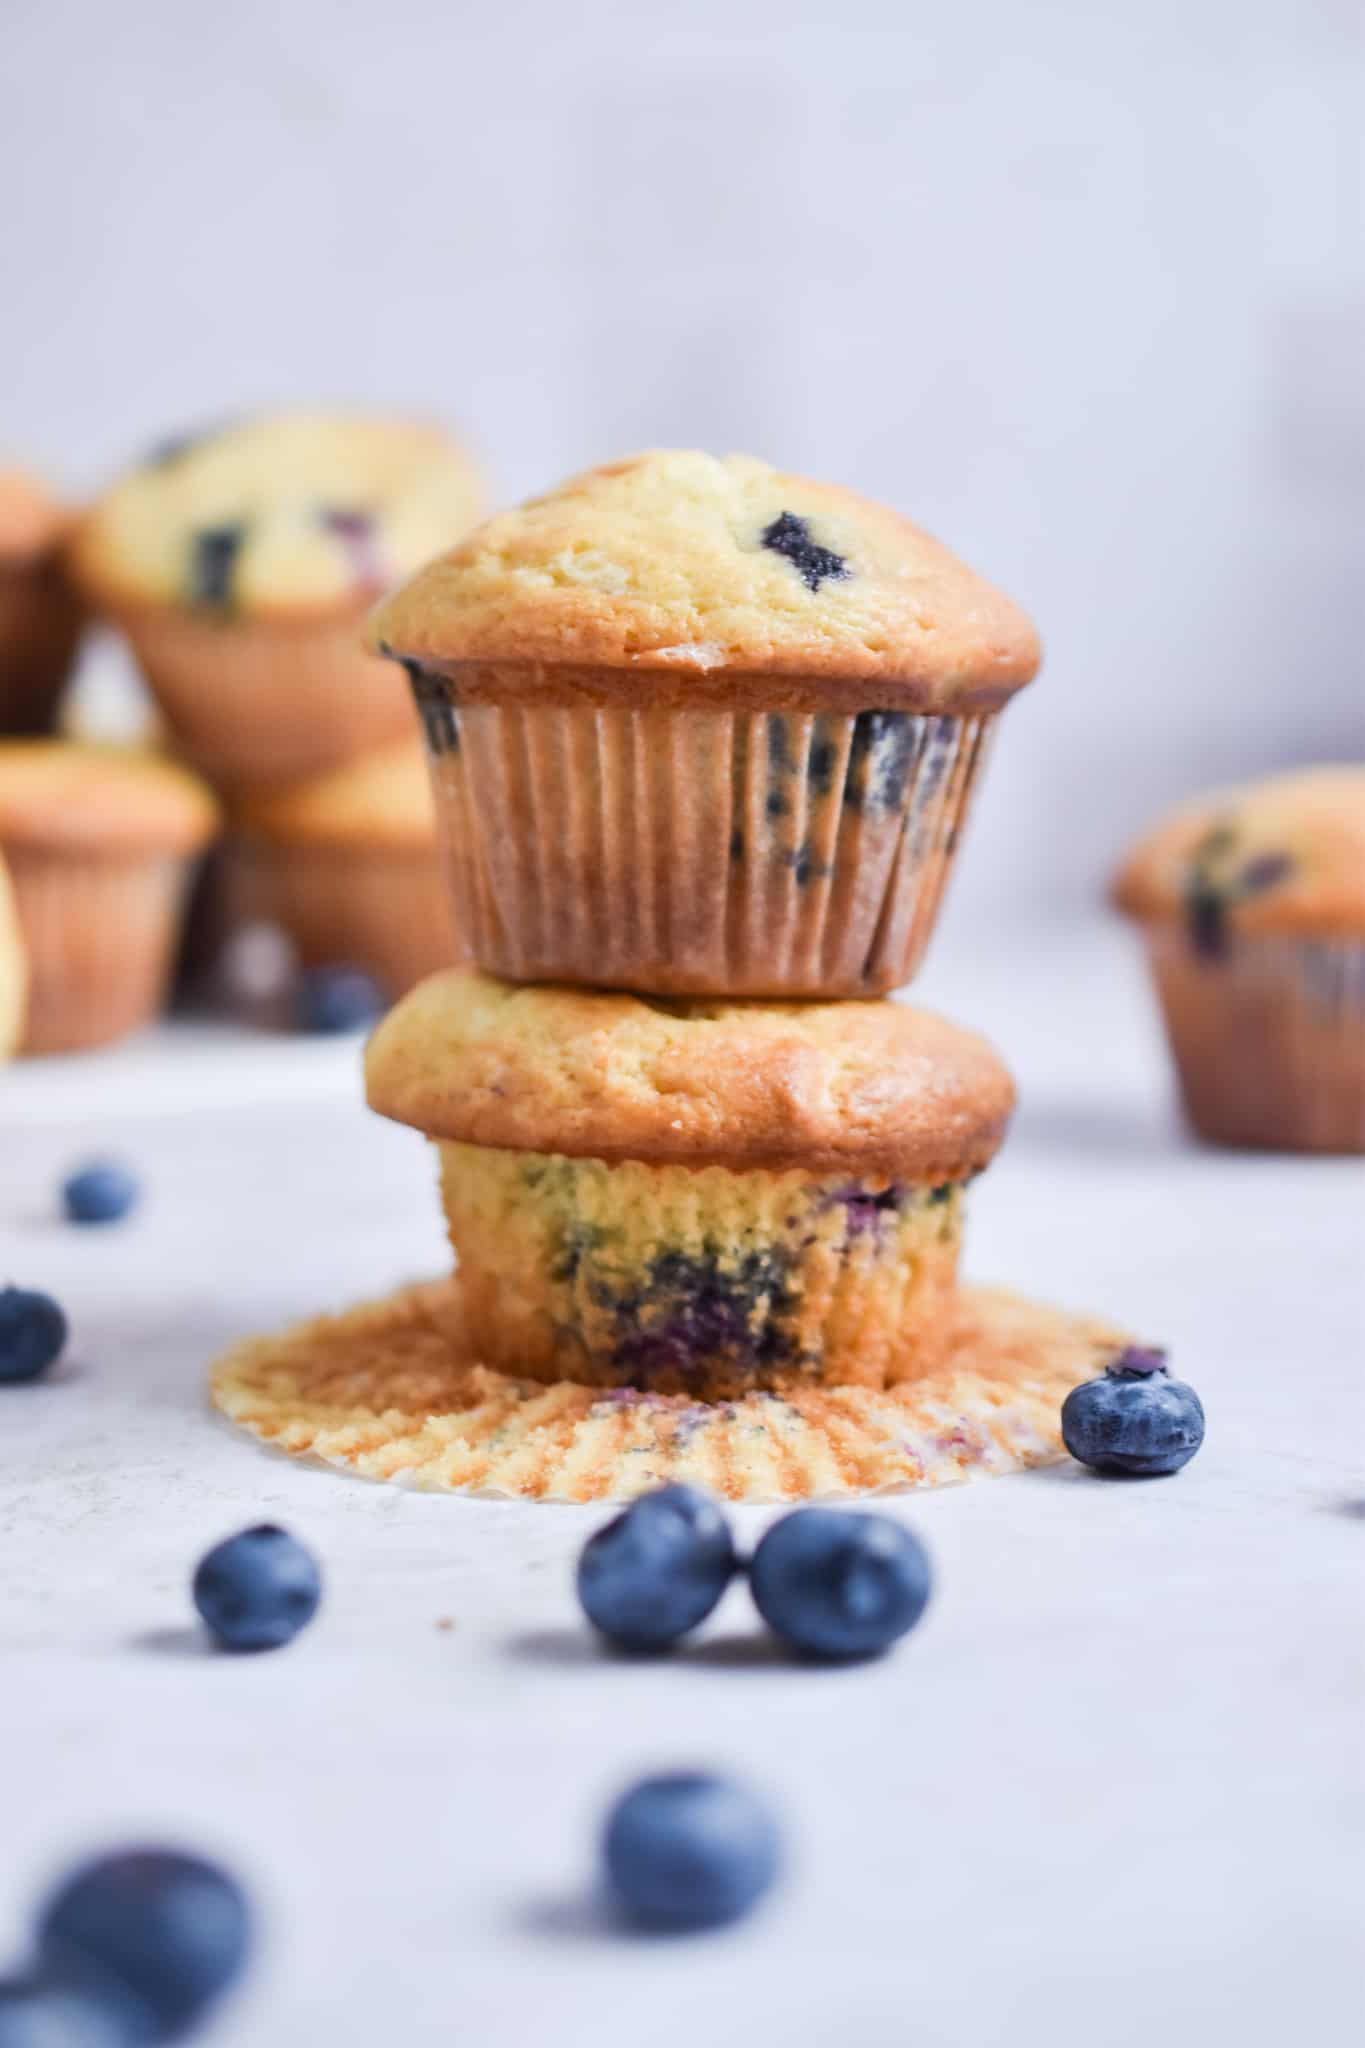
[699, 852]
[388, 1391]
[100, 933]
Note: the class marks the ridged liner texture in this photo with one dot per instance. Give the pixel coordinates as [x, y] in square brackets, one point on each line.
[382, 908]
[697, 852]
[391, 1391]
[1268, 1038]
[100, 935]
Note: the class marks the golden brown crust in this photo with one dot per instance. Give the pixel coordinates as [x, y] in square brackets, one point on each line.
[58, 794]
[32, 519]
[381, 800]
[606, 1076]
[1285, 855]
[651, 577]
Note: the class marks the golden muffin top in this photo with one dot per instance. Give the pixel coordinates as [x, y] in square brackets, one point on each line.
[872, 1085]
[677, 575]
[1286, 855]
[13, 969]
[380, 799]
[289, 514]
[63, 796]
[32, 518]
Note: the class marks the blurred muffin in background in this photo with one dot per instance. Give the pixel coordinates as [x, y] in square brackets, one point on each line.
[40, 618]
[1252, 905]
[100, 845]
[346, 865]
[700, 727]
[13, 969]
[240, 564]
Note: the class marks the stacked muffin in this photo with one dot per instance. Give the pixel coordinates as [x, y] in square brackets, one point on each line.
[707, 734]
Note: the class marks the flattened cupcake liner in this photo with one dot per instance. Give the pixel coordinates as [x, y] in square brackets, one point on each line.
[392, 1391]
[382, 908]
[1268, 1036]
[251, 701]
[100, 933]
[702, 852]
[699, 1280]
[40, 625]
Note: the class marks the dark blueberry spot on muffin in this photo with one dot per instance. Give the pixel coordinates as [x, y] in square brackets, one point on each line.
[578, 1242]
[806, 865]
[776, 805]
[354, 529]
[941, 1193]
[213, 563]
[789, 536]
[820, 765]
[779, 746]
[694, 1311]
[880, 759]
[1206, 920]
[1266, 871]
[435, 699]
[736, 844]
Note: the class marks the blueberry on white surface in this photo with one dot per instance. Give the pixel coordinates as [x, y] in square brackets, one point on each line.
[101, 1192]
[658, 1569]
[839, 1584]
[689, 1850]
[1134, 1421]
[256, 1590]
[32, 1333]
[336, 999]
[164, 1932]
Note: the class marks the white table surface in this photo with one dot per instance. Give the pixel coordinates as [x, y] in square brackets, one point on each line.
[1108, 1792]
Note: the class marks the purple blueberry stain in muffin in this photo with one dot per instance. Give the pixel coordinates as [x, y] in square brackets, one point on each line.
[881, 756]
[806, 864]
[353, 529]
[1266, 871]
[692, 1311]
[789, 535]
[866, 1210]
[434, 696]
[821, 761]
[214, 553]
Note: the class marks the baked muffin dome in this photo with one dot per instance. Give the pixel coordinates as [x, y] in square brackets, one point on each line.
[63, 796]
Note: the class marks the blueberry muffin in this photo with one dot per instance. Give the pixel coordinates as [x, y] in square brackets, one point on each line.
[346, 864]
[13, 969]
[100, 844]
[698, 727]
[1252, 905]
[241, 563]
[680, 1197]
[40, 619]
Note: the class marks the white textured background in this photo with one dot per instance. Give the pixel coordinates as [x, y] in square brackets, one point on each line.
[1081, 287]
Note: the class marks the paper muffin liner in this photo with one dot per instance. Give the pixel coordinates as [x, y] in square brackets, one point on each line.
[40, 626]
[700, 1280]
[698, 852]
[382, 908]
[100, 935]
[13, 970]
[393, 1391]
[1268, 1037]
[251, 702]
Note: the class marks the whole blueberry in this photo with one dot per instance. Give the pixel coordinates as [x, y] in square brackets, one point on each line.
[257, 1590]
[101, 1192]
[32, 1333]
[1134, 1421]
[168, 1931]
[336, 999]
[837, 1584]
[658, 1569]
[49, 2011]
[689, 1851]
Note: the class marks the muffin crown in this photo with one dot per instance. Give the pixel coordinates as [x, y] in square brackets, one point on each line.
[382, 799]
[32, 520]
[289, 514]
[673, 575]
[821, 1086]
[55, 794]
[1282, 856]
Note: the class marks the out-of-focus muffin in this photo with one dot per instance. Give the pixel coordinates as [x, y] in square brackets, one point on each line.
[699, 727]
[240, 564]
[99, 844]
[690, 1197]
[13, 969]
[346, 864]
[40, 619]
[1252, 905]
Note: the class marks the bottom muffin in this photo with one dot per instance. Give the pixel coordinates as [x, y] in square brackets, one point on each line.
[394, 1391]
[695, 1197]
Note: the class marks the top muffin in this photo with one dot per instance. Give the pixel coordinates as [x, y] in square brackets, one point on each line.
[699, 571]
[1285, 856]
[288, 515]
